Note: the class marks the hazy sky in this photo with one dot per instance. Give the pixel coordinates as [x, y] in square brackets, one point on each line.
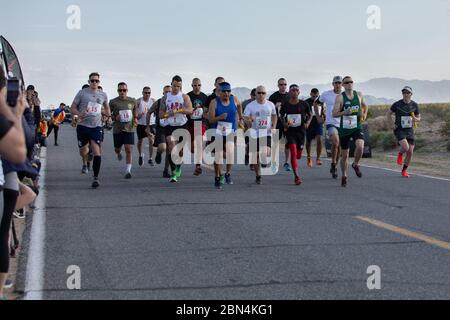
[249, 42]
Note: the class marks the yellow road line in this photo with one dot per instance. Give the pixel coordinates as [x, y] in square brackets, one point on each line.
[407, 233]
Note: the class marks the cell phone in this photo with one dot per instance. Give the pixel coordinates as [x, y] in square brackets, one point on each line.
[14, 88]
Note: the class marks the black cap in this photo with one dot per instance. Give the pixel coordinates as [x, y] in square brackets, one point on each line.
[30, 87]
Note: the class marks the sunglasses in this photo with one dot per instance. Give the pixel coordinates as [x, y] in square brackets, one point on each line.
[122, 90]
[94, 81]
[262, 93]
[147, 93]
[226, 91]
[348, 82]
[282, 84]
[406, 92]
[196, 85]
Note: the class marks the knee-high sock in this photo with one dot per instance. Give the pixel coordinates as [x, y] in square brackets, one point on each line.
[97, 165]
[299, 153]
[294, 163]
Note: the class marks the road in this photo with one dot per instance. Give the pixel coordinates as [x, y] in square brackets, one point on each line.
[148, 239]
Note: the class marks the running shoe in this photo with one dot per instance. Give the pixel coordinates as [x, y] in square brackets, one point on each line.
[128, 176]
[259, 180]
[334, 172]
[173, 178]
[85, 170]
[310, 163]
[141, 161]
[19, 214]
[222, 180]
[151, 163]
[228, 179]
[287, 167]
[218, 184]
[95, 183]
[318, 162]
[8, 284]
[298, 181]
[344, 182]
[405, 174]
[198, 171]
[178, 171]
[357, 170]
[166, 174]
[158, 158]
[119, 157]
[400, 159]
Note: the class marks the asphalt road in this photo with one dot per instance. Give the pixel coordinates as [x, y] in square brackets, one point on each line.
[148, 239]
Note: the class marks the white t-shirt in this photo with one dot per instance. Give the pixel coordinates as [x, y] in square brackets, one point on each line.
[328, 98]
[261, 115]
[143, 108]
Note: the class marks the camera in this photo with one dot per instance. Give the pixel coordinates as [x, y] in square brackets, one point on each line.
[14, 90]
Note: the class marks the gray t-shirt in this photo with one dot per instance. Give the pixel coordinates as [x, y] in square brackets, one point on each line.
[91, 102]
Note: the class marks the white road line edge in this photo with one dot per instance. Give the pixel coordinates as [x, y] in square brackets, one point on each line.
[34, 282]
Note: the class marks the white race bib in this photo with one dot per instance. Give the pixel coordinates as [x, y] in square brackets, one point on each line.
[224, 128]
[314, 111]
[152, 119]
[262, 123]
[94, 108]
[177, 120]
[198, 114]
[350, 122]
[294, 120]
[125, 116]
[164, 122]
[407, 122]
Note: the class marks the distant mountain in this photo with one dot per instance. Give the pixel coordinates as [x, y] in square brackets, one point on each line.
[384, 90]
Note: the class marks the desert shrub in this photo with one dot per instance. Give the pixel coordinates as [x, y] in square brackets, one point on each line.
[378, 124]
[419, 143]
[388, 141]
[448, 146]
[445, 130]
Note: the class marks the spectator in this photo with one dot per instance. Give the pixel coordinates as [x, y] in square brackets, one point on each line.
[57, 118]
[42, 132]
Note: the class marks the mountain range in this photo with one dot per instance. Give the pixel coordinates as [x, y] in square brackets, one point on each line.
[383, 91]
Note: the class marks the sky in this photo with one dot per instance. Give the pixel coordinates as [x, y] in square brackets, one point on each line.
[248, 42]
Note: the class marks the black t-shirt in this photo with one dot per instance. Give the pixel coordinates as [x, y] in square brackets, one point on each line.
[210, 98]
[275, 98]
[301, 108]
[403, 111]
[5, 126]
[198, 101]
[310, 102]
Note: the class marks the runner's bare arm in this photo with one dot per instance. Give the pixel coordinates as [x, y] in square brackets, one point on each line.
[188, 109]
[365, 108]
[338, 107]
[274, 121]
[162, 109]
[212, 113]
[107, 109]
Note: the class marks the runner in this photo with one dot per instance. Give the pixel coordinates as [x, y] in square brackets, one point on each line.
[278, 98]
[244, 105]
[124, 112]
[87, 106]
[328, 99]
[407, 115]
[143, 106]
[198, 99]
[261, 116]
[154, 128]
[216, 91]
[352, 110]
[174, 110]
[224, 114]
[296, 117]
[315, 130]
[57, 118]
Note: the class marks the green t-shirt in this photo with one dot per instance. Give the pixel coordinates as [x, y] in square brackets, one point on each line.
[125, 109]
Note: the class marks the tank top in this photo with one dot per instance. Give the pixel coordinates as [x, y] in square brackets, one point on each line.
[230, 110]
[143, 107]
[175, 103]
[351, 123]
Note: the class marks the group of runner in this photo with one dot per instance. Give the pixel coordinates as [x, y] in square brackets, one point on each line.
[342, 109]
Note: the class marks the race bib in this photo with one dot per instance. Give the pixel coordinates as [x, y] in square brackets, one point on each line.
[125, 116]
[262, 123]
[314, 111]
[94, 108]
[294, 120]
[407, 122]
[198, 114]
[164, 122]
[350, 122]
[224, 128]
[152, 119]
[177, 120]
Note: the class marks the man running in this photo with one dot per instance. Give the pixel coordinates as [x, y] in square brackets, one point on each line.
[296, 117]
[225, 112]
[278, 98]
[200, 108]
[57, 118]
[143, 106]
[216, 91]
[315, 130]
[352, 110]
[244, 105]
[87, 105]
[261, 116]
[407, 115]
[174, 110]
[154, 128]
[328, 99]
[123, 111]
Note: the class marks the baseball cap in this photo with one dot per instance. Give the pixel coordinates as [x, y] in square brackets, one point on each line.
[407, 88]
[337, 79]
[225, 86]
[30, 87]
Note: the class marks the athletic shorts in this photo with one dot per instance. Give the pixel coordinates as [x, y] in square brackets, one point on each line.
[296, 137]
[259, 143]
[224, 140]
[191, 128]
[313, 132]
[408, 134]
[86, 135]
[345, 140]
[169, 130]
[160, 137]
[141, 132]
[332, 130]
[123, 138]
